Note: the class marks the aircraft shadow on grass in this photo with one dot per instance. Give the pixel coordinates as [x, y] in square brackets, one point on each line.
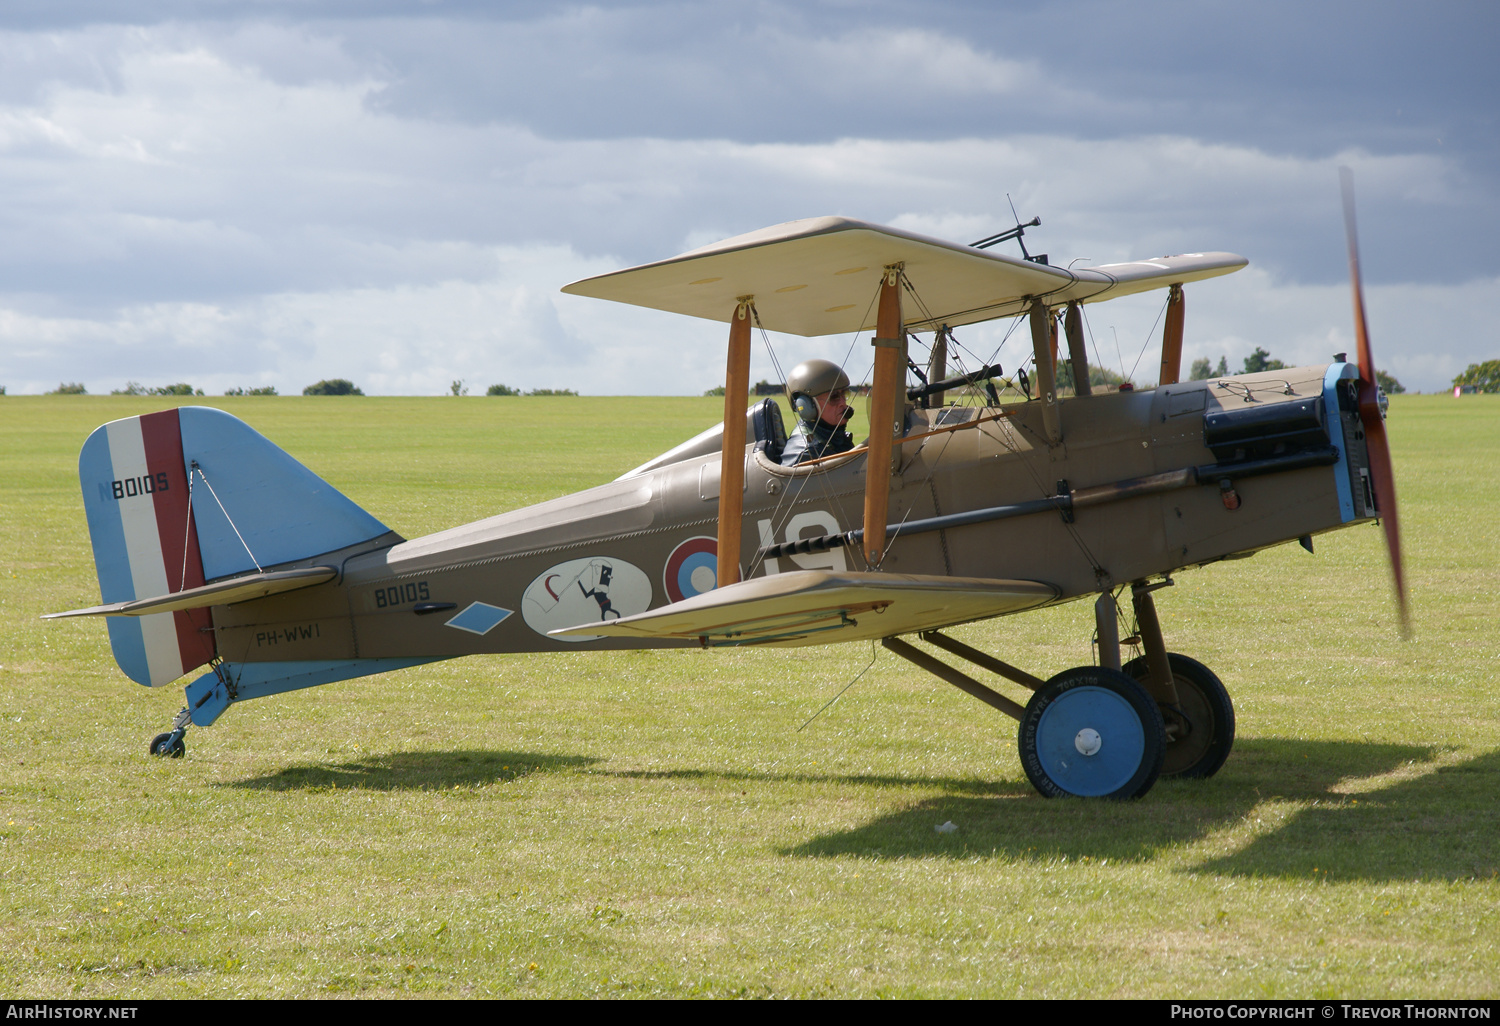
[416, 771]
[957, 785]
[1442, 825]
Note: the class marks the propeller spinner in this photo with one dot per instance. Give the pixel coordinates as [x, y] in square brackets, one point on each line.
[1370, 414]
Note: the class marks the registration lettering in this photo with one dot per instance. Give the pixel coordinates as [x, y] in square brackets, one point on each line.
[401, 594]
[288, 635]
[146, 484]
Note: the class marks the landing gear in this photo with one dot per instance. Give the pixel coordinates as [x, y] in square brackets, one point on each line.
[1092, 732]
[170, 745]
[1200, 725]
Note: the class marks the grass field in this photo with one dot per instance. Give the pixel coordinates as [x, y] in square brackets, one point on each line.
[654, 824]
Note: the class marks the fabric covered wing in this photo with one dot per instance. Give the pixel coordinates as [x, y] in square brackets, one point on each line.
[819, 276]
[813, 607]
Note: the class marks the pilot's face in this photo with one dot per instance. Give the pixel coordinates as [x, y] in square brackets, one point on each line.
[833, 405]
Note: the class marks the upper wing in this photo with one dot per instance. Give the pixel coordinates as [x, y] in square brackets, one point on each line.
[811, 607]
[819, 276]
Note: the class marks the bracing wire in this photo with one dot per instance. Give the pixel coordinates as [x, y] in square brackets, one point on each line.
[187, 533]
[1089, 327]
[1147, 342]
[846, 687]
[236, 530]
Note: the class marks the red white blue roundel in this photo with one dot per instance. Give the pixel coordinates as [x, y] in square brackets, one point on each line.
[692, 569]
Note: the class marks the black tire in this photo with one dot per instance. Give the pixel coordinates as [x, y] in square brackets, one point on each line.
[1204, 717]
[168, 746]
[1094, 733]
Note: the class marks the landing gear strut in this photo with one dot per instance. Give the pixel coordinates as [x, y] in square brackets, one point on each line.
[1090, 732]
[1194, 703]
[1105, 731]
[1201, 722]
[170, 745]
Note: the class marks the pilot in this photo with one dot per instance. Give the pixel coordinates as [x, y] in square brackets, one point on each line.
[819, 391]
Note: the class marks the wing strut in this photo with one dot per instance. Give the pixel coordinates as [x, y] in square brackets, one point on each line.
[732, 462]
[1077, 354]
[885, 418]
[1046, 380]
[1171, 338]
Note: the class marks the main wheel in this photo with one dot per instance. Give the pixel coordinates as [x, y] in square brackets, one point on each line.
[168, 746]
[1203, 716]
[1094, 733]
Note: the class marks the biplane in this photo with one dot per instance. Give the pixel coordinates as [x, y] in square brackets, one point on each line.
[214, 548]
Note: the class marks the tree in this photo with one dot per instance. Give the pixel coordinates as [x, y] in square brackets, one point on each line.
[266, 390]
[502, 390]
[69, 388]
[716, 390]
[457, 388]
[1388, 384]
[1098, 376]
[1483, 376]
[552, 391]
[332, 386]
[131, 388]
[1260, 360]
[1203, 370]
[181, 388]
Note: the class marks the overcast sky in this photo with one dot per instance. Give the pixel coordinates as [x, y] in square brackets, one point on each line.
[244, 193]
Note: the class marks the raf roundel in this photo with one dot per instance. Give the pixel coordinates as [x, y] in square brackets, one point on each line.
[692, 569]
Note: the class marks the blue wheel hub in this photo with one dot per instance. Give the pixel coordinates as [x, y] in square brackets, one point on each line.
[1090, 741]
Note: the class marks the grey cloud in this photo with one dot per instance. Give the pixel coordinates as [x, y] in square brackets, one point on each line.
[237, 179]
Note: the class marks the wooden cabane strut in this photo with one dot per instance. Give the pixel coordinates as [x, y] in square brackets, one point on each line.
[1171, 338]
[885, 417]
[732, 458]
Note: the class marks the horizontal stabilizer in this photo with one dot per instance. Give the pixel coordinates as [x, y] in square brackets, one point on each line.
[220, 593]
[818, 276]
[807, 607]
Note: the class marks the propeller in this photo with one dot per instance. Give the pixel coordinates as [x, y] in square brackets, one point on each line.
[1370, 415]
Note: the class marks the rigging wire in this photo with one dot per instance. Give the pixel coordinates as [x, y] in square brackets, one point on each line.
[1083, 313]
[237, 534]
[846, 687]
[1147, 342]
[187, 533]
[1042, 491]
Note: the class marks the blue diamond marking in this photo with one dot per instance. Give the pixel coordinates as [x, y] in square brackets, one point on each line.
[479, 618]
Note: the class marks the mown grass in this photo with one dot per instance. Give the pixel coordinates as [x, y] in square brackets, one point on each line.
[654, 824]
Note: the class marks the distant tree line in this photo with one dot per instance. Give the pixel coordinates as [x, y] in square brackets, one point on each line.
[1100, 377]
[136, 388]
[1483, 377]
[507, 390]
[1260, 360]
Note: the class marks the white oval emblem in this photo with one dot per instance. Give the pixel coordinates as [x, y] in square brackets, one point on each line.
[584, 591]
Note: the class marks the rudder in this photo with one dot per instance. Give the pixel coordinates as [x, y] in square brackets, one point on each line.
[189, 496]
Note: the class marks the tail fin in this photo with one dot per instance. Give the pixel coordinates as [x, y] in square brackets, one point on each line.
[190, 496]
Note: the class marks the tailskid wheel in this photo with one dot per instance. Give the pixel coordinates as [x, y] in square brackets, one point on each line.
[169, 746]
[1203, 716]
[1094, 733]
